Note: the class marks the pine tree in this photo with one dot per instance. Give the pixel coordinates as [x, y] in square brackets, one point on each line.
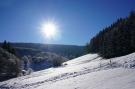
[7, 46]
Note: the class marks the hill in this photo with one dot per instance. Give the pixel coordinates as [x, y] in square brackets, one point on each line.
[86, 72]
[115, 40]
[68, 51]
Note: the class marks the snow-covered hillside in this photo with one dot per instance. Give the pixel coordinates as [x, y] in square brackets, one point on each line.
[87, 72]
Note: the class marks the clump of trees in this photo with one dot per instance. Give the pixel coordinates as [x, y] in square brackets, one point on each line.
[57, 61]
[9, 63]
[7, 46]
[115, 40]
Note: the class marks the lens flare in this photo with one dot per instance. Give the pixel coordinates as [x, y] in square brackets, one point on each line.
[49, 29]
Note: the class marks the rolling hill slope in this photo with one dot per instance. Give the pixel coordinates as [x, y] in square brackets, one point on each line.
[86, 72]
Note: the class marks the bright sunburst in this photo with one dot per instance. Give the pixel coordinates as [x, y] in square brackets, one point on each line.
[49, 29]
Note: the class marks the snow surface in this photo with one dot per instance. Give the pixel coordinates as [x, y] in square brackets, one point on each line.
[86, 72]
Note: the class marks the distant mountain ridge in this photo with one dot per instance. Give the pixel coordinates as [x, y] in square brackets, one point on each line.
[68, 51]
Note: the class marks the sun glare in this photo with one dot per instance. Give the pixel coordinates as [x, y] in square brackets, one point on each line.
[49, 29]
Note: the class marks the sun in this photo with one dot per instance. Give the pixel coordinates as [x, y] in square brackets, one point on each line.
[49, 29]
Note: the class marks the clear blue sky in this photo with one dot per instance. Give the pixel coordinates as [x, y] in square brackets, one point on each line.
[78, 20]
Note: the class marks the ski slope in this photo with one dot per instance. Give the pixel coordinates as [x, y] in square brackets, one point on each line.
[86, 72]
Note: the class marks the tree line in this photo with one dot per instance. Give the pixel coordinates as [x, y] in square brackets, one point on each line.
[118, 39]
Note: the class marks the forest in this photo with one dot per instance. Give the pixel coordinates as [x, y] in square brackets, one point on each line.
[118, 39]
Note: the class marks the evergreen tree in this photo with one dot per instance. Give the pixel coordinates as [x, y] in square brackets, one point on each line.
[7, 46]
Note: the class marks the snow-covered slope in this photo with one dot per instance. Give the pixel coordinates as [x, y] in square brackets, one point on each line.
[87, 72]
